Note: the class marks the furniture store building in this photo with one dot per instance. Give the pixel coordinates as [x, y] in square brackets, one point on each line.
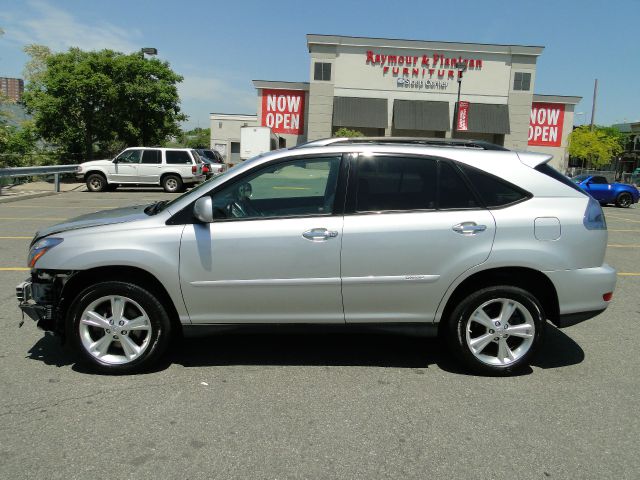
[388, 87]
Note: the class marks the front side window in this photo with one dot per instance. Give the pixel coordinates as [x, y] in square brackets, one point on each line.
[178, 157]
[598, 180]
[300, 187]
[396, 183]
[129, 156]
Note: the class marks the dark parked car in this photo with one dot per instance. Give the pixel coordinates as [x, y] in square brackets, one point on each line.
[214, 161]
[598, 187]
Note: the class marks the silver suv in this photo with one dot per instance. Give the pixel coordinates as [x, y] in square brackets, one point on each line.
[171, 168]
[463, 239]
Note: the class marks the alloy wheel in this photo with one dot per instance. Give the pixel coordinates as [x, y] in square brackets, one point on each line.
[115, 330]
[500, 332]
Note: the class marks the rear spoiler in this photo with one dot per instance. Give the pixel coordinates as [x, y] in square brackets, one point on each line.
[534, 159]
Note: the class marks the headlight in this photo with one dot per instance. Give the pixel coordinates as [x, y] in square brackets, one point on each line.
[40, 248]
[79, 169]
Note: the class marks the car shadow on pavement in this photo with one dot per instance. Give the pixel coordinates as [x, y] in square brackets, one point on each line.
[274, 348]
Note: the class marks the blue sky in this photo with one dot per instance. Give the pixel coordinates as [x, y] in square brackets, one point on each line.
[220, 46]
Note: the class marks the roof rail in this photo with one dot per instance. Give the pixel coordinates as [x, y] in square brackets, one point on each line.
[429, 142]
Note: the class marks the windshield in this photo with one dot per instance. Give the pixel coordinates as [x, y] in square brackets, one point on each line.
[580, 178]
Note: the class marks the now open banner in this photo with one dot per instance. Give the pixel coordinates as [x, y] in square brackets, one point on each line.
[283, 111]
[545, 124]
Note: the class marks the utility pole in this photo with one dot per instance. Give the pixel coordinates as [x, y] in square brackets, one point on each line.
[593, 108]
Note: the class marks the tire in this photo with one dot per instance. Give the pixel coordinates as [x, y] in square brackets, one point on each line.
[96, 182]
[172, 183]
[467, 327]
[624, 200]
[98, 334]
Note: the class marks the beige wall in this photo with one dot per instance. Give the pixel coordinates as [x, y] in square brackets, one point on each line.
[352, 76]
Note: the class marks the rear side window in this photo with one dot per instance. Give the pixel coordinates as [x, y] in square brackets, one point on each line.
[178, 157]
[453, 191]
[556, 175]
[151, 156]
[493, 191]
[396, 183]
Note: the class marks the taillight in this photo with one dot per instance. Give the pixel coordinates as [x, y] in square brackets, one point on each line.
[194, 169]
[607, 296]
[594, 216]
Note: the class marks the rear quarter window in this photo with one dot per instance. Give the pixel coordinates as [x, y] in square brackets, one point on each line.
[494, 192]
[556, 175]
[178, 157]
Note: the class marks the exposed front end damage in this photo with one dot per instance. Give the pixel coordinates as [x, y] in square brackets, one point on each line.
[40, 296]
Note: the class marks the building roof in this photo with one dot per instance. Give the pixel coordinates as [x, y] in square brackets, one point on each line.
[320, 39]
[281, 85]
[566, 99]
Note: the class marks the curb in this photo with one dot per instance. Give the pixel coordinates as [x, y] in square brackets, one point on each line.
[27, 196]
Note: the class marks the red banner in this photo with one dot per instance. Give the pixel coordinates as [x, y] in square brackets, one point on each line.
[462, 125]
[283, 111]
[545, 124]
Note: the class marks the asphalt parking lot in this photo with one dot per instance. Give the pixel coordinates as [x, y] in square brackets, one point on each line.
[318, 406]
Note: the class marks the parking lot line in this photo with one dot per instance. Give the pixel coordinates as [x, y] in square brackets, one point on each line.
[34, 218]
[622, 245]
[622, 218]
[632, 230]
[55, 206]
[629, 274]
[14, 269]
[15, 238]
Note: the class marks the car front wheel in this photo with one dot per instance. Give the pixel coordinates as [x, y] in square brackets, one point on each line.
[496, 330]
[624, 200]
[119, 327]
[96, 183]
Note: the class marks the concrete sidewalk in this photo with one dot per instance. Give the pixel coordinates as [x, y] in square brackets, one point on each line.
[35, 189]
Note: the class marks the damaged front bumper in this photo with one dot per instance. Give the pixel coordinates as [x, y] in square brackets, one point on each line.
[38, 298]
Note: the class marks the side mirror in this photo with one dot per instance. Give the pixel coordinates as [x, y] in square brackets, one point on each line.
[203, 209]
[115, 160]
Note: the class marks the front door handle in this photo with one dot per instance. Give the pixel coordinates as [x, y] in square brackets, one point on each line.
[319, 234]
[468, 228]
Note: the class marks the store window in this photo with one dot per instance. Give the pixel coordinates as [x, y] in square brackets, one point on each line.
[522, 81]
[322, 71]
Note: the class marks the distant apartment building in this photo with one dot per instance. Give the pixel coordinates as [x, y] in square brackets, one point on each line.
[12, 88]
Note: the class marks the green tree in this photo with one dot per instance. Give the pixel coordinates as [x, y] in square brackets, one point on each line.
[83, 102]
[597, 147]
[347, 132]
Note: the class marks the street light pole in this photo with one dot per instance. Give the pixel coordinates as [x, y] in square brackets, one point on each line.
[461, 67]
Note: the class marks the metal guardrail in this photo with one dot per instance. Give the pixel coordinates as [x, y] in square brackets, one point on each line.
[54, 170]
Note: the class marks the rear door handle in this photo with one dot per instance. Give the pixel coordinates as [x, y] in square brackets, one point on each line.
[319, 234]
[468, 228]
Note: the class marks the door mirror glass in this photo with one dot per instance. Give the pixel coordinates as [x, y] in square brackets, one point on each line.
[203, 209]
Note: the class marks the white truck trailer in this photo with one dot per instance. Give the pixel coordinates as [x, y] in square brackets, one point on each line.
[256, 140]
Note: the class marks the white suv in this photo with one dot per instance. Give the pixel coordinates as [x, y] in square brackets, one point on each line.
[171, 168]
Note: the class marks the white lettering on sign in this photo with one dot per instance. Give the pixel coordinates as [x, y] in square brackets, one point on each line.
[545, 124]
[282, 110]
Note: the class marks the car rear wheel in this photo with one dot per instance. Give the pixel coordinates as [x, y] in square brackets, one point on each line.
[96, 183]
[496, 330]
[119, 327]
[624, 200]
[172, 183]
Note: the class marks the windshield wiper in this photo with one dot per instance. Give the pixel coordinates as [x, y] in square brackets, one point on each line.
[155, 207]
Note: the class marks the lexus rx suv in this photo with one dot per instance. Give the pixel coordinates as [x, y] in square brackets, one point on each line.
[467, 241]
